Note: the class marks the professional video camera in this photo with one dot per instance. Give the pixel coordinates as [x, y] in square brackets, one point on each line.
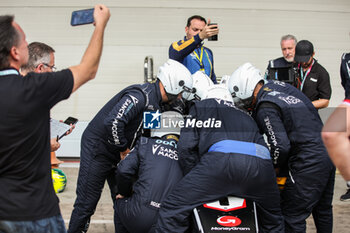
[288, 74]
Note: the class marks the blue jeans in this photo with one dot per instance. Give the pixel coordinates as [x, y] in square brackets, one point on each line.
[53, 224]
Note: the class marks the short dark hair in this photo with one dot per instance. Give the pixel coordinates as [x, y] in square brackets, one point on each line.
[9, 37]
[38, 53]
[195, 17]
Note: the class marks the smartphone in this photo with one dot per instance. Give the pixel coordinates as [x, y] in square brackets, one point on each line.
[81, 17]
[71, 120]
[215, 37]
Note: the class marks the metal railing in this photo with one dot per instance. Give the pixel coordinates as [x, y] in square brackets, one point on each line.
[148, 69]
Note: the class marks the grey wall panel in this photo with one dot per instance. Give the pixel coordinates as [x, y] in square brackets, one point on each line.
[249, 32]
[307, 5]
[116, 72]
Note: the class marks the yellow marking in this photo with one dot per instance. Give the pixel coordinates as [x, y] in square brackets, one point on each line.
[172, 137]
[183, 45]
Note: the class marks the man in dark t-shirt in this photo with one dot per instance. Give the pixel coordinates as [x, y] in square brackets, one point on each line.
[315, 81]
[42, 60]
[27, 195]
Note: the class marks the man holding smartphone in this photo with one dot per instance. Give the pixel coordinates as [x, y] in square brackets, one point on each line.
[191, 52]
[41, 60]
[28, 202]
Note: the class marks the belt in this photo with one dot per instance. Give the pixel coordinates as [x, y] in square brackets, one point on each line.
[248, 148]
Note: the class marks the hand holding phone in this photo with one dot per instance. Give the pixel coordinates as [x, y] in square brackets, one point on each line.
[81, 17]
[215, 37]
[58, 129]
[71, 120]
[101, 15]
[98, 15]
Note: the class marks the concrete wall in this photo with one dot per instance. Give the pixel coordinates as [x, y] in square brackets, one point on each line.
[250, 30]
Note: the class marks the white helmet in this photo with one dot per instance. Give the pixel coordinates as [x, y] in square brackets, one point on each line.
[218, 92]
[200, 83]
[224, 80]
[175, 77]
[171, 124]
[243, 81]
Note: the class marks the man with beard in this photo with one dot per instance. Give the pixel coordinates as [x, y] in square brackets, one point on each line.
[288, 43]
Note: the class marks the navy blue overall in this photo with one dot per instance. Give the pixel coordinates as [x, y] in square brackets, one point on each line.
[222, 153]
[115, 128]
[293, 128]
[154, 161]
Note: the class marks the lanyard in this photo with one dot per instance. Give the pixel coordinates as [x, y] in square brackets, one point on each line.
[200, 58]
[211, 65]
[8, 72]
[303, 78]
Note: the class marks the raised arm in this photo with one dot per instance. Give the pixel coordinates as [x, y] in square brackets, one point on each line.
[88, 66]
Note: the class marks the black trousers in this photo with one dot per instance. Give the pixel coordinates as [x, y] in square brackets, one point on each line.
[218, 175]
[95, 169]
[309, 191]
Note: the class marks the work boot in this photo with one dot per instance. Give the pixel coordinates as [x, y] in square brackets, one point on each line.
[346, 196]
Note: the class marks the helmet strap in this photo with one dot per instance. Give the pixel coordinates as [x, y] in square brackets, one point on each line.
[171, 97]
[245, 105]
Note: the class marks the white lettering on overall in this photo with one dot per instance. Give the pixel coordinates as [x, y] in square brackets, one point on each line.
[290, 99]
[272, 136]
[127, 105]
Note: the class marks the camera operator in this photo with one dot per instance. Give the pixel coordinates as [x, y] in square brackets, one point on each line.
[288, 43]
[284, 68]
